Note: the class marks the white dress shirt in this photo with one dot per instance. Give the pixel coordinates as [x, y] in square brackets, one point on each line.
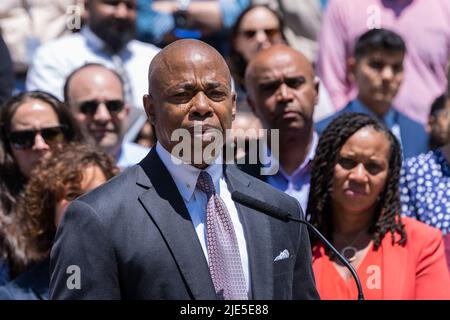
[185, 177]
[55, 60]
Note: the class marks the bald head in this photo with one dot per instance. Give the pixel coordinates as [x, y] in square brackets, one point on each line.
[275, 57]
[189, 87]
[183, 54]
[282, 90]
[91, 76]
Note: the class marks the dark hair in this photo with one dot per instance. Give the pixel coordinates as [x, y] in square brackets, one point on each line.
[319, 210]
[439, 104]
[378, 39]
[58, 176]
[12, 180]
[87, 65]
[236, 61]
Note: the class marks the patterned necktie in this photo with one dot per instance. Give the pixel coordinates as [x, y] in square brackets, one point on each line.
[223, 251]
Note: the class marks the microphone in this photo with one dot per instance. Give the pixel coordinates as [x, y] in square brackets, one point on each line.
[284, 215]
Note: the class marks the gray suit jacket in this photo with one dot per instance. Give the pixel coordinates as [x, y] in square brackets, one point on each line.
[133, 238]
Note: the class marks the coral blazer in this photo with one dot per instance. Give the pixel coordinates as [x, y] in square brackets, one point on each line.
[414, 271]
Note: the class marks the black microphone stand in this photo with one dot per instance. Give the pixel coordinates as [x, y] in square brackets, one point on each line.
[278, 213]
[337, 253]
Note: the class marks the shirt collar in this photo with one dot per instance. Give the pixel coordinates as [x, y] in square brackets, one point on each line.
[184, 175]
[92, 39]
[389, 118]
[275, 162]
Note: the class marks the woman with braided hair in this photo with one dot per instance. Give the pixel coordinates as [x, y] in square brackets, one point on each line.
[354, 201]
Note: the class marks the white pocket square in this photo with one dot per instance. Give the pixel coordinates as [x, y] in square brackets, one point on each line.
[283, 255]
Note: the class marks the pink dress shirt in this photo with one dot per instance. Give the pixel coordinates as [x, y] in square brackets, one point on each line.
[423, 24]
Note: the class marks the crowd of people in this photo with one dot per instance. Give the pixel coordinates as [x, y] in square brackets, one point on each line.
[98, 202]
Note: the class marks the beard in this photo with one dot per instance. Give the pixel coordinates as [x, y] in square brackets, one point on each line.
[115, 34]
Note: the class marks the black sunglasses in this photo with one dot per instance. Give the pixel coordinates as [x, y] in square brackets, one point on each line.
[90, 107]
[270, 33]
[25, 139]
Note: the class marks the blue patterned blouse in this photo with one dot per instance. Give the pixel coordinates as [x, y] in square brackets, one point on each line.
[425, 189]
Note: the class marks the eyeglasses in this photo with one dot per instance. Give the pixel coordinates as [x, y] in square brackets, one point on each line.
[90, 107]
[270, 33]
[25, 139]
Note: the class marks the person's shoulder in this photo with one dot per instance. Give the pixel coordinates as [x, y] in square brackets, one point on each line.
[322, 124]
[406, 120]
[63, 44]
[131, 153]
[135, 148]
[420, 161]
[143, 47]
[417, 231]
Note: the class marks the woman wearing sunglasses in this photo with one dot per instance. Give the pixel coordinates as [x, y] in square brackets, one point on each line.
[31, 124]
[257, 28]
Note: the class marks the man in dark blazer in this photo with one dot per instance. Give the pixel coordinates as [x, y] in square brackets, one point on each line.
[143, 234]
[377, 70]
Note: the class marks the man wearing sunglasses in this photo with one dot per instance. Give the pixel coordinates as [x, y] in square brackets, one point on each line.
[95, 94]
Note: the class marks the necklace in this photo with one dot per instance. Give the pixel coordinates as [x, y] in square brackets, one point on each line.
[349, 251]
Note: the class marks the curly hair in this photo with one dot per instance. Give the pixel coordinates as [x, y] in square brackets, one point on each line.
[58, 176]
[12, 180]
[319, 210]
[237, 62]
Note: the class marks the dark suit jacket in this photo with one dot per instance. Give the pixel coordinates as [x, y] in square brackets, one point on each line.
[413, 135]
[133, 238]
[6, 73]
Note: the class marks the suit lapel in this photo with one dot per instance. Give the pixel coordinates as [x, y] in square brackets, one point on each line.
[166, 208]
[257, 235]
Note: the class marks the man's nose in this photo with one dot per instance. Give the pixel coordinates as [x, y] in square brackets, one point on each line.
[261, 36]
[102, 113]
[284, 92]
[121, 11]
[201, 108]
[39, 143]
[387, 73]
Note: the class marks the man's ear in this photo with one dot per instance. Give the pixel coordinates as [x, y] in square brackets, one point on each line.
[317, 87]
[430, 124]
[234, 105]
[149, 108]
[351, 69]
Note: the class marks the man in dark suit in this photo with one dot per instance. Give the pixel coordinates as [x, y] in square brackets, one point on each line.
[377, 70]
[151, 232]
